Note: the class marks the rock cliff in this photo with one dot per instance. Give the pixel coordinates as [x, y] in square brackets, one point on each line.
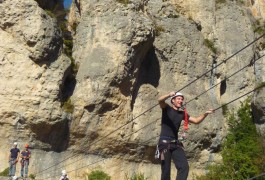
[128, 53]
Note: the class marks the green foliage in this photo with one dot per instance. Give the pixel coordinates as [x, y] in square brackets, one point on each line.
[68, 46]
[50, 13]
[260, 85]
[224, 109]
[213, 173]
[32, 176]
[5, 172]
[220, 1]
[123, 1]
[68, 106]
[259, 29]
[243, 154]
[158, 30]
[210, 45]
[62, 26]
[98, 175]
[74, 26]
[139, 176]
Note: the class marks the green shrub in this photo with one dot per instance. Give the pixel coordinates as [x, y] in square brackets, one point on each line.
[123, 1]
[74, 26]
[210, 45]
[5, 172]
[224, 109]
[220, 1]
[139, 176]
[243, 153]
[260, 85]
[98, 175]
[50, 13]
[68, 46]
[158, 30]
[32, 176]
[259, 29]
[68, 106]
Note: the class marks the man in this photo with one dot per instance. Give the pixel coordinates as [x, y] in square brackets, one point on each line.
[13, 159]
[25, 155]
[169, 144]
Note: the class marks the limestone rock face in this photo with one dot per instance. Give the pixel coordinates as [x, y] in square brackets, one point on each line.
[258, 8]
[41, 40]
[128, 53]
[32, 74]
[111, 43]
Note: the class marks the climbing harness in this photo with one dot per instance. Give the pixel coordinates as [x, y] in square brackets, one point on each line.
[165, 145]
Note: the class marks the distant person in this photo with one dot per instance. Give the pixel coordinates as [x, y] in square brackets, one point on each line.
[25, 155]
[169, 144]
[13, 159]
[64, 175]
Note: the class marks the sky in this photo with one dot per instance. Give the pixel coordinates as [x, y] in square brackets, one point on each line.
[67, 3]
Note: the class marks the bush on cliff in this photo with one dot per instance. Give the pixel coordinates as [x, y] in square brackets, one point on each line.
[242, 151]
[98, 175]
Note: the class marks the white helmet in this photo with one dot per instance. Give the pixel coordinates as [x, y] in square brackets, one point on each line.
[177, 94]
[63, 172]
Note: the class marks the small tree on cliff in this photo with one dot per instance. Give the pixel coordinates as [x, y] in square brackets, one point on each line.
[242, 152]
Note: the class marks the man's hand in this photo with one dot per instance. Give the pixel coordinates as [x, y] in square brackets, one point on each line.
[172, 93]
[210, 111]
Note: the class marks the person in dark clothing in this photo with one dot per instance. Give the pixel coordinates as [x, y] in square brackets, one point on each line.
[25, 155]
[13, 159]
[169, 145]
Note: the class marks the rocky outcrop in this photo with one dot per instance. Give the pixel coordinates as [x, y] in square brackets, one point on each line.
[33, 72]
[128, 53]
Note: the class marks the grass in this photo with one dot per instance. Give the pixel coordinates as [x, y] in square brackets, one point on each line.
[260, 85]
[68, 106]
[158, 30]
[210, 45]
[224, 109]
[259, 29]
[5, 172]
[98, 175]
[32, 176]
[50, 13]
[123, 1]
[220, 1]
[139, 176]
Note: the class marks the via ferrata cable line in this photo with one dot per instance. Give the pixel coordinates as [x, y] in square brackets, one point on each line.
[193, 81]
[144, 143]
[257, 88]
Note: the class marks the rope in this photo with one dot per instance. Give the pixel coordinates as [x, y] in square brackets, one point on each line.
[144, 143]
[193, 81]
[259, 87]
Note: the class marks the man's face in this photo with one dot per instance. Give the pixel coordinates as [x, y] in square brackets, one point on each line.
[178, 101]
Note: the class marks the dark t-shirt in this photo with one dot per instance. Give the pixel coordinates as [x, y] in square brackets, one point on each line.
[171, 121]
[14, 153]
[25, 154]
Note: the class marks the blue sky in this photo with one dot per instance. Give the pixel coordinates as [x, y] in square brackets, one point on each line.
[67, 3]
